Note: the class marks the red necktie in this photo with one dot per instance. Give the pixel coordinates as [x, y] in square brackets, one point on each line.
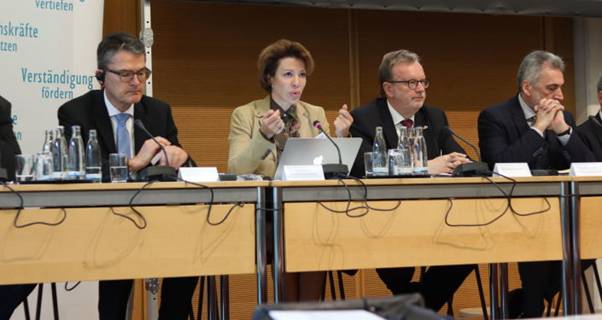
[408, 123]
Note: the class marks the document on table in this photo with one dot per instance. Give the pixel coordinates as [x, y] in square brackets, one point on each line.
[323, 315]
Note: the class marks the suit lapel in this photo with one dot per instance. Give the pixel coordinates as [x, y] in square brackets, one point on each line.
[305, 121]
[102, 121]
[518, 118]
[387, 124]
[596, 129]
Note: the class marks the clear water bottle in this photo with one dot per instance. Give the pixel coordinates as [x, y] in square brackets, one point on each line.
[75, 163]
[379, 154]
[48, 140]
[419, 152]
[58, 149]
[405, 145]
[93, 158]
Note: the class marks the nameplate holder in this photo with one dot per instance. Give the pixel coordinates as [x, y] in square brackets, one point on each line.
[585, 169]
[304, 172]
[512, 169]
[199, 174]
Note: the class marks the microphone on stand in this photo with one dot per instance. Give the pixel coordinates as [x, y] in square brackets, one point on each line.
[473, 169]
[155, 173]
[332, 170]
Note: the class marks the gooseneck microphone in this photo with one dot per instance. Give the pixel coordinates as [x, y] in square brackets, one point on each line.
[332, 170]
[141, 126]
[475, 168]
[155, 173]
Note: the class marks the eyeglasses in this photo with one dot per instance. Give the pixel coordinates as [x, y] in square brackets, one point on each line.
[128, 75]
[412, 84]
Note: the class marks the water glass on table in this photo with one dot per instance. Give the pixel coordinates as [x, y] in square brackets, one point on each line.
[24, 167]
[43, 166]
[368, 163]
[118, 167]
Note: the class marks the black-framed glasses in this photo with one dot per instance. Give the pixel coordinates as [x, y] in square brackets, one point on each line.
[412, 84]
[128, 75]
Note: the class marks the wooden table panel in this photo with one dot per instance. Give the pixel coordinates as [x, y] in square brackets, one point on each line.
[591, 222]
[93, 243]
[415, 234]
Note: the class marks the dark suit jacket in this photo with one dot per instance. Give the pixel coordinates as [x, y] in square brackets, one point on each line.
[505, 136]
[8, 142]
[591, 133]
[376, 113]
[90, 112]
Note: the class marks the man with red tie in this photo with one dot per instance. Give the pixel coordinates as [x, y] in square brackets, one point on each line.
[403, 92]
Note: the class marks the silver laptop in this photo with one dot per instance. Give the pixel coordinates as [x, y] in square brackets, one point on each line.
[308, 151]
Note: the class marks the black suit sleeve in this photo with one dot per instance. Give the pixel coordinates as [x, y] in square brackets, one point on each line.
[589, 132]
[67, 120]
[496, 147]
[168, 129]
[172, 136]
[576, 148]
[8, 141]
[361, 129]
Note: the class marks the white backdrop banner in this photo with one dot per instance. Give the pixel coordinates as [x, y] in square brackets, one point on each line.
[47, 57]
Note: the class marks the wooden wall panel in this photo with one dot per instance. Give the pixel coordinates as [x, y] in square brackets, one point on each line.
[207, 54]
[121, 16]
[205, 59]
[471, 59]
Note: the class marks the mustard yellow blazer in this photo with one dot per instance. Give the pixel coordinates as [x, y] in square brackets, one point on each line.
[249, 151]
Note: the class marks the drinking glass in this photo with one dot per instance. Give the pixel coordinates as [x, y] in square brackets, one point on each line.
[118, 167]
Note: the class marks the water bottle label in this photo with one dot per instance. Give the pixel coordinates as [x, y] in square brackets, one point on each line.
[420, 170]
[94, 174]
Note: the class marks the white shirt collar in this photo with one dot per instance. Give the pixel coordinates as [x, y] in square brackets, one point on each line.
[396, 116]
[114, 111]
[527, 111]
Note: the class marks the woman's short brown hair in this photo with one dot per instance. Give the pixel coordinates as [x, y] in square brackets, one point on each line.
[270, 56]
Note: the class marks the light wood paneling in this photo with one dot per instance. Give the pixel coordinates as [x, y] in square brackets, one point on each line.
[414, 234]
[471, 59]
[121, 16]
[591, 220]
[111, 247]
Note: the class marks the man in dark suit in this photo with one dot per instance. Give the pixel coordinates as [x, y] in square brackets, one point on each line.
[403, 90]
[111, 112]
[535, 128]
[8, 142]
[10, 295]
[591, 130]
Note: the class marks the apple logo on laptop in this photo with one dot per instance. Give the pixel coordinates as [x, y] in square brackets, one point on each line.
[318, 160]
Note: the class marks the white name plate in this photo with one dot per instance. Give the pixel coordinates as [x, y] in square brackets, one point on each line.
[584, 169]
[199, 174]
[512, 169]
[305, 172]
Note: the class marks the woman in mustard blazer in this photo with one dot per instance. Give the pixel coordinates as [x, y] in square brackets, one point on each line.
[259, 129]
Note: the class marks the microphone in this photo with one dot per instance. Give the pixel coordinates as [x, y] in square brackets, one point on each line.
[473, 169]
[155, 173]
[332, 170]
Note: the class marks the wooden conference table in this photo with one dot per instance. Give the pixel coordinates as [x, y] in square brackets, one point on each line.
[413, 232]
[95, 243]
